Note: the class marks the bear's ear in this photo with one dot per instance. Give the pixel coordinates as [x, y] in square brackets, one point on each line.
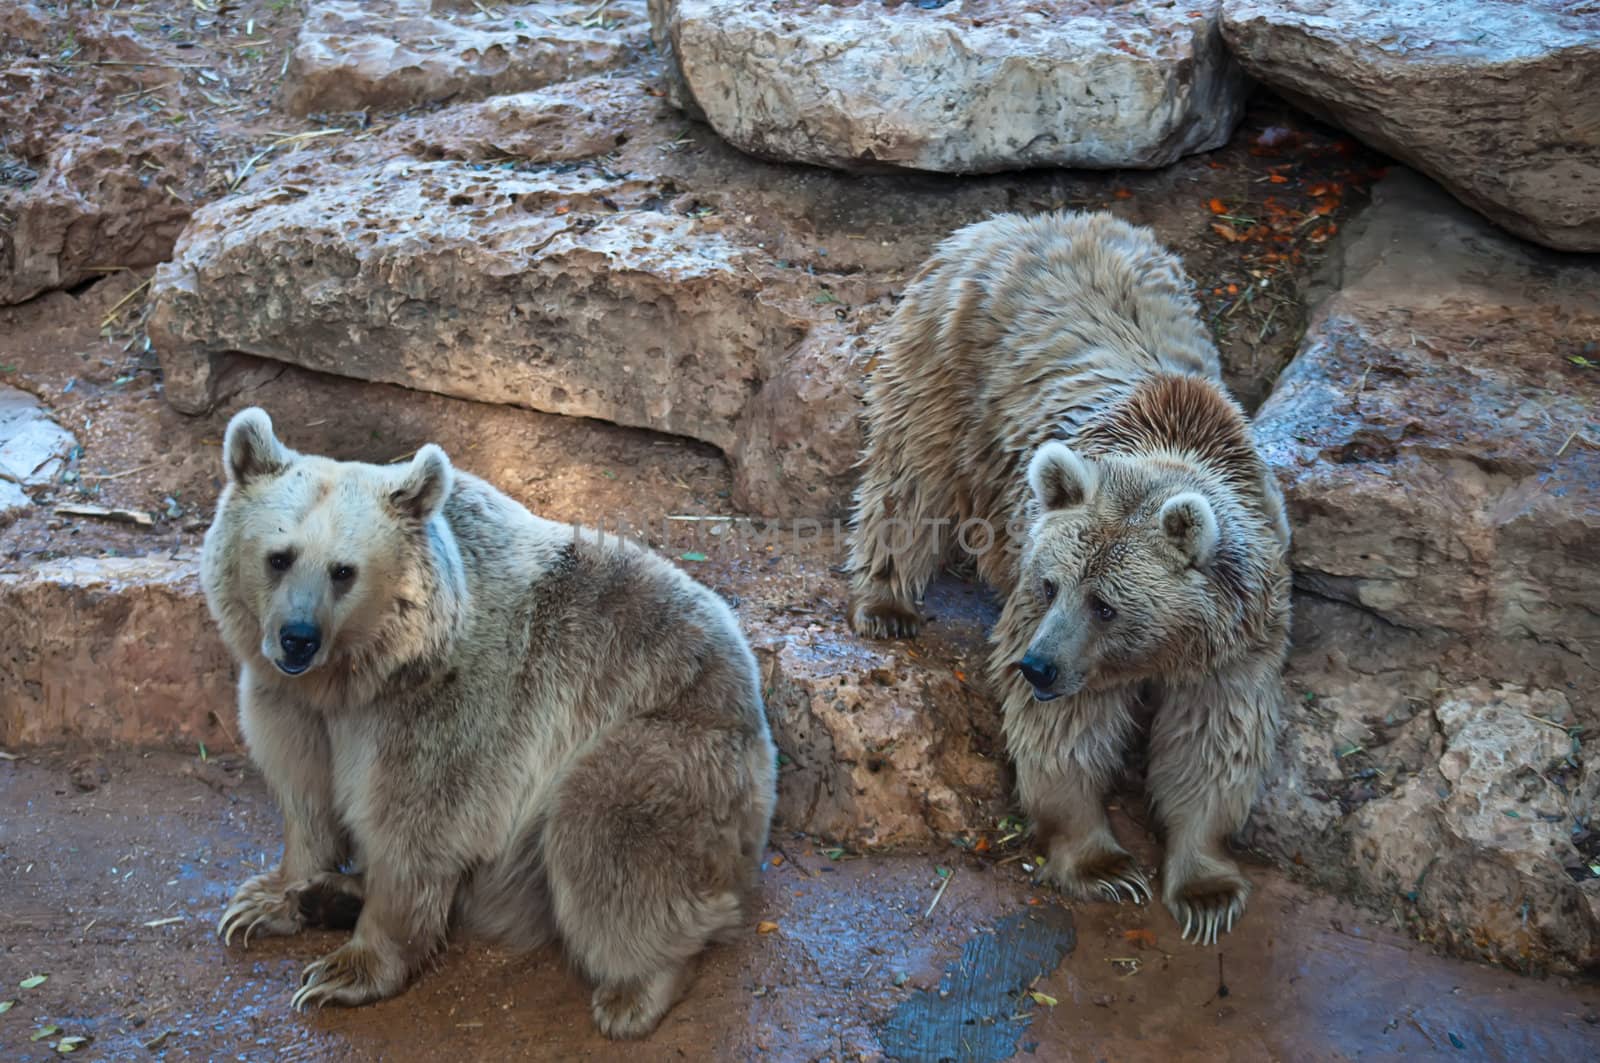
[250, 450]
[1188, 520]
[425, 487]
[1059, 478]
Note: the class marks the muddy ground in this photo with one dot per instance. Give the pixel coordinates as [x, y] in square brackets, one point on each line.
[112, 893]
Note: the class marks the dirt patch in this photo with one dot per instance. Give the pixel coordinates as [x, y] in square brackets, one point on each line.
[115, 867]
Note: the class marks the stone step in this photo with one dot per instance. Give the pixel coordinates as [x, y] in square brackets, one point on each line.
[882, 745]
[388, 55]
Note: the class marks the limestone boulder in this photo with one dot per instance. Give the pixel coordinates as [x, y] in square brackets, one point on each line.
[1497, 100]
[568, 290]
[967, 87]
[112, 650]
[393, 54]
[1439, 448]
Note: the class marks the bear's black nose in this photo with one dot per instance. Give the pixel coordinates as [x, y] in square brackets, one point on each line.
[300, 642]
[1042, 674]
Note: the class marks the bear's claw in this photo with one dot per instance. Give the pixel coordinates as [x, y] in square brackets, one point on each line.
[262, 903]
[350, 974]
[1208, 910]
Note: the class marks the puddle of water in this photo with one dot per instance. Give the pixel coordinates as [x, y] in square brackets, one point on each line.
[981, 1007]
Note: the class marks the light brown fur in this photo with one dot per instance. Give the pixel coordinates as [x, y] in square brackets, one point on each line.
[511, 725]
[1050, 377]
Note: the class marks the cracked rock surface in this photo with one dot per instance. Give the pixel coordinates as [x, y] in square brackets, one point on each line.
[1439, 449]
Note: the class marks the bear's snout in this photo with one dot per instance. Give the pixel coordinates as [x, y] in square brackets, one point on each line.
[300, 644]
[1039, 673]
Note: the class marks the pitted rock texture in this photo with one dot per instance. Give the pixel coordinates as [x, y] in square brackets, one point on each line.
[1498, 100]
[571, 291]
[80, 194]
[1439, 449]
[968, 87]
[393, 54]
[879, 747]
[115, 650]
[98, 203]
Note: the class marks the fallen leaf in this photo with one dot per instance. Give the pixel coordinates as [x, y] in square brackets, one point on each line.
[1043, 998]
[766, 928]
[33, 980]
[7, 1005]
[1123, 193]
[44, 1031]
[777, 861]
[1218, 207]
[1227, 232]
[71, 1044]
[982, 846]
[692, 555]
[1140, 937]
[1278, 179]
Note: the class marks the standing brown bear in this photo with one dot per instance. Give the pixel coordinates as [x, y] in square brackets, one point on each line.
[1049, 400]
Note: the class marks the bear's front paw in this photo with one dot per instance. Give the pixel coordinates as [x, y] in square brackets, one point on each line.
[1103, 876]
[1207, 907]
[263, 905]
[350, 974]
[883, 619]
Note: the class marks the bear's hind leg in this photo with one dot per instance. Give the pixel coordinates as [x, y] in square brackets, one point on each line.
[1209, 747]
[643, 846]
[895, 547]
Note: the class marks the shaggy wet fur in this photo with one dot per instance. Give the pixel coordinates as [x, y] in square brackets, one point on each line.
[1050, 377]
[513, 726]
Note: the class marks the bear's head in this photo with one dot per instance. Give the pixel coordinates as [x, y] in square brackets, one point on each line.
[1120, 562]
[312, 562]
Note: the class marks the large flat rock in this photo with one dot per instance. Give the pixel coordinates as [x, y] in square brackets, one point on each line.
[571, 290]
[971, 87]
[392, 54]
[1439, 448]
[1499, 101]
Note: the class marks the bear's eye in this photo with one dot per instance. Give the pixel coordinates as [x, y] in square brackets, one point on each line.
[1098, 606]
[1050, 590]
[342, 573]
[280, 561]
